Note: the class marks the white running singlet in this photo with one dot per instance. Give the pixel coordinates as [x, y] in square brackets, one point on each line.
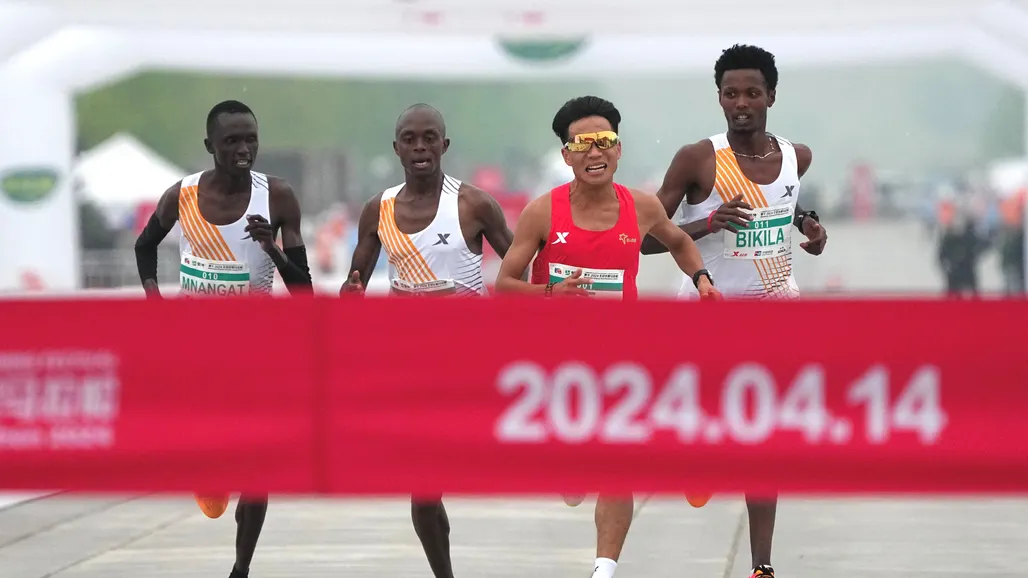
[435, 259]
[755, 263]
[216, 260]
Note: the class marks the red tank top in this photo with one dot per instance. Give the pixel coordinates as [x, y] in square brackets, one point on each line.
[611, 257]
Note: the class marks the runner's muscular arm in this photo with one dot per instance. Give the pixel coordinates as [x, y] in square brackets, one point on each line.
[653, 220]
[369, 246]
[681, 175]
[490, 217]
[291, 259]
[157, 228]
[817, 236]
[804, 156]
[531, 231]
[493, 222]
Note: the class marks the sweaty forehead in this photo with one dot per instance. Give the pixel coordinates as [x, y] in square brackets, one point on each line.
[420, 120]
[743, 78]
[236, 123]
[589, 124]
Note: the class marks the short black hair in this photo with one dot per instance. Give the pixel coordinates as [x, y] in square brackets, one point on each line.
[583, 107]
[226, 107]
[746, 57]
[422, 106]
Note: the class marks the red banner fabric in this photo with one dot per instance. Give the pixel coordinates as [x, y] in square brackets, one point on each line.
[513, 396]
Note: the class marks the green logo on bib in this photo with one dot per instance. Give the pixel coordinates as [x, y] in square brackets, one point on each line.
[28, 185]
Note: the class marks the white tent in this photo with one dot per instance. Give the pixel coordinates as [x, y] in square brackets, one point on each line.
[122, 172]
[50, 49]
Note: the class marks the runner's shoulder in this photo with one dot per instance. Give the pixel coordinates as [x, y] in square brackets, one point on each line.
[536, 214]
[689, 163]
[475, 196]
[471, 191]
[695, 152]
[689, 168]
[640, 196]
[172, 193]
[540, 206]
[369, 213]
[646, 203]
[481, 206]
[279, 187]
[804, 156]
[167, 205]
[282, 201]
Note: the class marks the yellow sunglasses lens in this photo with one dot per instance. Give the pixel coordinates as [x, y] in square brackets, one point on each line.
[583, 142]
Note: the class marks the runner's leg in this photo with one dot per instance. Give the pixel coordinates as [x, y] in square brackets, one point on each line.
[761, 512]
[250, 514]
[613, 518]
[433, 529]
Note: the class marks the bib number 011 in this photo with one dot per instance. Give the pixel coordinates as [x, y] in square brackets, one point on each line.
[570, 405]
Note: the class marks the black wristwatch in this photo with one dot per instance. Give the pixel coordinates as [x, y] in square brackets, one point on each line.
[696, 277]
[797, 221]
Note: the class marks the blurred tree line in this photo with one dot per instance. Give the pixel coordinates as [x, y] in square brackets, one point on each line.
[927, 116]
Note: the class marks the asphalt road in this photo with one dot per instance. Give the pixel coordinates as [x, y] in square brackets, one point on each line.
[113, 537]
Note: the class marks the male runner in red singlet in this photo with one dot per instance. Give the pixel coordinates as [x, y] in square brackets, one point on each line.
[585, 238]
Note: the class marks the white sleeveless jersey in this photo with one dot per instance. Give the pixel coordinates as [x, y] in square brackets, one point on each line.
[216, 260]
[436, 258]
[755, 263]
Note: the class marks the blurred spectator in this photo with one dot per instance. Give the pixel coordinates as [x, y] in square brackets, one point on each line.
[960, 250]
[95, 232]
[1011, 243]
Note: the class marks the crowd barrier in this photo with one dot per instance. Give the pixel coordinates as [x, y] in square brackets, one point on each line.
[513, 396]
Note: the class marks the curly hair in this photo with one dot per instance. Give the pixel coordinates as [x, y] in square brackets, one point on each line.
[746, 57]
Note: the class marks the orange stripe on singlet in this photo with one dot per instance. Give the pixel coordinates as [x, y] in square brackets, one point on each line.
[212, 232]
[390, 238]
[409, 262]
[729, 182]
[200, 245]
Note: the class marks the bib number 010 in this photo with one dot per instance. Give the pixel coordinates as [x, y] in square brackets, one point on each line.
[570, 405]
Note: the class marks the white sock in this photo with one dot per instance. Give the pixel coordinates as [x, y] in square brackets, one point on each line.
[604, 568]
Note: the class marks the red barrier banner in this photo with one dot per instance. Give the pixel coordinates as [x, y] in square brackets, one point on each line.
[137, 395]
[514, 396]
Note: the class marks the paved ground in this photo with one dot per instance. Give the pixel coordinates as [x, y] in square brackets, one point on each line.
[74, 537]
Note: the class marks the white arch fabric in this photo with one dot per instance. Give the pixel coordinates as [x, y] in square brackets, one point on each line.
[50, 49]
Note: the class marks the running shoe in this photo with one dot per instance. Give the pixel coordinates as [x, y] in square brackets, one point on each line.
[763, 570]
[212, 506]
[573, 499]
[698, 500]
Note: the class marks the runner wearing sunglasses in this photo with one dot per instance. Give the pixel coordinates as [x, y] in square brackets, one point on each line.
[432, 227]
[738, 192]
[585, 237]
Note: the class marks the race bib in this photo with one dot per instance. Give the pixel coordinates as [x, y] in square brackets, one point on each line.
[605, 283]
[205, 278]
[768, 235]
[437, 288]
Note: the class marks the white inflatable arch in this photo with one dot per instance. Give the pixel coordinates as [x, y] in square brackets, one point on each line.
[50, 49]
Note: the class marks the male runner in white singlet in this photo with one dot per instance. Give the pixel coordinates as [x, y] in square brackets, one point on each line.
[738, 193]
[432, 227]
[229, 218]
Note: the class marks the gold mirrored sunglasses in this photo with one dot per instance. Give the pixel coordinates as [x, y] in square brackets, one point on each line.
[580, 143]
